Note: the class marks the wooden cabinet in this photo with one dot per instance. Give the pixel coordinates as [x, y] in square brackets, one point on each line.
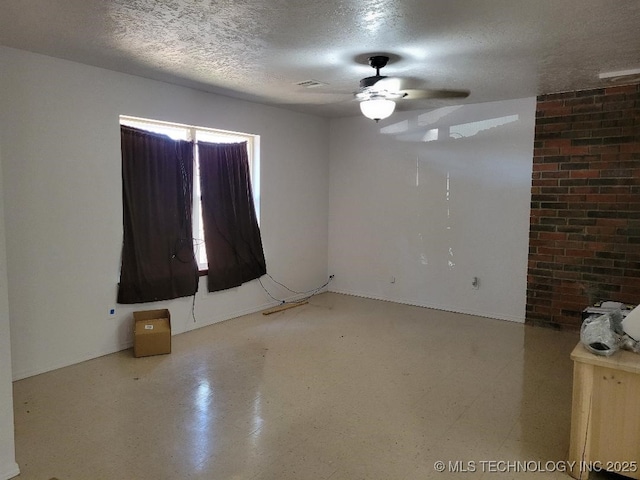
[605, 416]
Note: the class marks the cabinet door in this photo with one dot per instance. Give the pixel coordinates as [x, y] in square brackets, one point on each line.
[615, 420]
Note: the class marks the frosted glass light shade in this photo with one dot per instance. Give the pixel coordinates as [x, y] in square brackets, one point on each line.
[377, 108]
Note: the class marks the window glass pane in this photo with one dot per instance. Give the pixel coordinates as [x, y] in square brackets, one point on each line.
[173, 132]
[215, 137]
[198, 227]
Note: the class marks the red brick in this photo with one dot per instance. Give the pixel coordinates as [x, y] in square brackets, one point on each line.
[570, 150]
[551, 236]
[579, 253]
[541, 152]
[539, 258]
[593, 186]
[544, 183]
[589, 125]
[632, 282]
[630, 147]
[617, 222]
[546, 310]
[600, 149]
[617, 189]
[555, 174]
[600, 246]
[601, 198]
[538, 167]
[549, 105]
[550, 251]
[628, 198]
[603, 165]
[589, 108]
[564, 260]
[621, 89]
[600, 230]
[584, 174]
[560, 274]
[568, 244]
[557, 142]
[556, 112]
[555, 127]
[543, 212]
[586, 189]
[571, 302]
[573, 289]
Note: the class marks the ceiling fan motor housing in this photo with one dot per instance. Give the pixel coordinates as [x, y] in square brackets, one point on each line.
[370, 81]
[377, 62]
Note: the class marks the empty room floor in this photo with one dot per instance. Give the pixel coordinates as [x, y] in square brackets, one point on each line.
[341, 388]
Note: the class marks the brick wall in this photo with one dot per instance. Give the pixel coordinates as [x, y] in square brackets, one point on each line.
[585, 205]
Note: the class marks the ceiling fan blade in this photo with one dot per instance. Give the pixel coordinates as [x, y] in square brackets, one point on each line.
[390, 84]
[417, 94]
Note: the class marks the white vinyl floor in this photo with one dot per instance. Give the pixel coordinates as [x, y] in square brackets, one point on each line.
[343, 388]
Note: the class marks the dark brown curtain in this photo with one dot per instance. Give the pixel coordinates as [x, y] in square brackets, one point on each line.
[157, 252]
[231, 232]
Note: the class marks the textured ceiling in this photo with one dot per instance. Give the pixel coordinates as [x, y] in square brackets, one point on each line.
[259, 50]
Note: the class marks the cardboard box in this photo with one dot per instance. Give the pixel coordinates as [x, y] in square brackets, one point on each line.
[151, 332]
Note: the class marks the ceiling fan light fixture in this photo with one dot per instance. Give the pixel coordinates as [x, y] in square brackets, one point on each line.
[377, 108]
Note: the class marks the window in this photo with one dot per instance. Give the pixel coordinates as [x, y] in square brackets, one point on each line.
[204, 135]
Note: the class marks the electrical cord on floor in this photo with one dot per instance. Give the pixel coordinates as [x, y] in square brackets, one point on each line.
[309, 293]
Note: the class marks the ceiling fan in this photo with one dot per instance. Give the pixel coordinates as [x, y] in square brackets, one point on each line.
[378, 94]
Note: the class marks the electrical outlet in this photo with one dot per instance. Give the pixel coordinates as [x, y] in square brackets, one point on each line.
[392, 280]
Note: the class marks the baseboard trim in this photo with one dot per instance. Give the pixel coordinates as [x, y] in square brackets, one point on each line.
[123, 346]
[446, 308]
[10, 470]
[231, 316]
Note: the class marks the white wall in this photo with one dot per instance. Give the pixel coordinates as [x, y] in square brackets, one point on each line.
[8, 465]
[434, 199]
[389, 210]
[63, 208]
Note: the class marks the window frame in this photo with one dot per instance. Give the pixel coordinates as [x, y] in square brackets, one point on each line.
[191, 134]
